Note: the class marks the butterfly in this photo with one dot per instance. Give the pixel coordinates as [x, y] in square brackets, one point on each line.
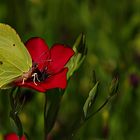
[15, 60]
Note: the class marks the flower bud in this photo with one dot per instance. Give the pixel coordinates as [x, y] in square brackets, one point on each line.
[80, 53]
[13, 136]
[113, 87]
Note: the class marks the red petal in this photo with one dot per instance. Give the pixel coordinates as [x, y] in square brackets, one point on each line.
[60, 55]
[37, 87]
[55, 81]
[38, 50]
[13, 136]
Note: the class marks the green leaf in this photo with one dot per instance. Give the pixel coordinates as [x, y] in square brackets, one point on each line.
[90, 99]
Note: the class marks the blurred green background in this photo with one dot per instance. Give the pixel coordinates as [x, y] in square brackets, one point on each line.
[112, 31]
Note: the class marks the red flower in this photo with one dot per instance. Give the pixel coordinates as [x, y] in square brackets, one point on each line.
[51, 71]
[13, 136]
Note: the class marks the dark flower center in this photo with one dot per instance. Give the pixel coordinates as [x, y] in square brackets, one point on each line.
[42, 75]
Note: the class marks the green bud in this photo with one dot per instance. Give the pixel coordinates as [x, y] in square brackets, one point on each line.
[90, 99]
[79, 56]
[113, 87]
[79, 45]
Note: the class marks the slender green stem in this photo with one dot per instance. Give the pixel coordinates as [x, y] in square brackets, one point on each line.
[18, 123]
[92, 114]
[51, 107]
[83, 120]
[16, 107]
[45, 108]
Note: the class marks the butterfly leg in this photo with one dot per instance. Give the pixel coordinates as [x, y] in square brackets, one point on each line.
[23, 81]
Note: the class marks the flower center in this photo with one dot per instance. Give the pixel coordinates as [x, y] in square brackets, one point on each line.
[38, 75]
[42, 75]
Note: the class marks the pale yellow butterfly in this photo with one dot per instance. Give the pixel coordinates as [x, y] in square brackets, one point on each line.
[15, 60]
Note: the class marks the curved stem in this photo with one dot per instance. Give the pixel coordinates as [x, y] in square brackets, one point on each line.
[83, 120]
[92, 114]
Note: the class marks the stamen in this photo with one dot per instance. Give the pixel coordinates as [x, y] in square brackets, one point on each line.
[35, 76]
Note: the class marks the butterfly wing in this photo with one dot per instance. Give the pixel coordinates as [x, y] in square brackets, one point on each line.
[8, 72]
[14, 57]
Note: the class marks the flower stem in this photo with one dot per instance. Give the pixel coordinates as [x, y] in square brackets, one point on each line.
[82, 121]
[104, 103]
[16, 107]
[51, 107]
[45, 108]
